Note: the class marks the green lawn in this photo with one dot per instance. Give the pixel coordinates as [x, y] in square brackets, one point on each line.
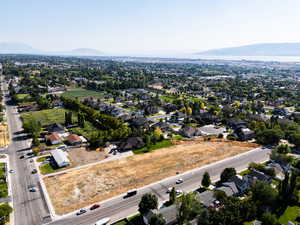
[48, 116]
[24, 98]
[161, 144]
[290, 214]
[166, 98]
[46, 168]
[42, 159]
[81, 93]
[3, 184]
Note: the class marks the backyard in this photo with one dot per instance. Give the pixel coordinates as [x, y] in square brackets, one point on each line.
[95, 183]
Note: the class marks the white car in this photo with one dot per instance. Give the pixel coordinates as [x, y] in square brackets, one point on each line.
[11, 171]
[179, 181]
[169, 190]
[179, 192]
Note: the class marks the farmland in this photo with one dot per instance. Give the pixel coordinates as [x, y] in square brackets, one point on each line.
[99, 182]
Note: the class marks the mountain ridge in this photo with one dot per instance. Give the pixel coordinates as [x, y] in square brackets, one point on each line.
[261, 49]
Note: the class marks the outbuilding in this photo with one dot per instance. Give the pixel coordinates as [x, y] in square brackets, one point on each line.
[60, 157]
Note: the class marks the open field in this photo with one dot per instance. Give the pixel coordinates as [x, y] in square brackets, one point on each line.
[99, 182]
[81, 156]
[81, 93]
[47, 116]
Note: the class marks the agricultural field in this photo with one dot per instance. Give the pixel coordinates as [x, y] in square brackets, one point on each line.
[85, 186]
[47, 116]
[82, 93]
[4, 137]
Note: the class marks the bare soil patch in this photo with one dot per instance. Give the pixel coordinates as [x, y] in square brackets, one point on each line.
[82, 156]
[75, 189]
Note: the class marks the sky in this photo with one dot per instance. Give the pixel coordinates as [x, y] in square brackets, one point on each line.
[127, 26]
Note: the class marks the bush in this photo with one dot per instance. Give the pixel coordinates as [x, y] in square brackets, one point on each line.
[220, 135]
[268, 219]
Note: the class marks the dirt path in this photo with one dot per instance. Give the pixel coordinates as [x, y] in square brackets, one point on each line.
[96, 183]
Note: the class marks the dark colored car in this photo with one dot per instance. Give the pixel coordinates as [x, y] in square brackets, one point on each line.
[130, 193]
[22, 157]
[34, 171]
[95, 206]
[81, 211]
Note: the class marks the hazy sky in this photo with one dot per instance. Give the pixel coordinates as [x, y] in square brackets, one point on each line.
[148, 25]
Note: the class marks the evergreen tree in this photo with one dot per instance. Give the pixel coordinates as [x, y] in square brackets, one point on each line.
[206, 180]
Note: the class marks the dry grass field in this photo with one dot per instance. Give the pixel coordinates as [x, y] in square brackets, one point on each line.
[76, 189]
[4, 138]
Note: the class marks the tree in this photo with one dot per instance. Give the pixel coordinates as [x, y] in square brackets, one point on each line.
[5, 210]
[268, 219]
[172, 196]
[227, 174]
[270, 136]
[149, 201]
[203, 218]
[157, 131]
[188, 208]
[157, 219]
[283, 149]
[206, 180]
[33, 127]
[263, 193]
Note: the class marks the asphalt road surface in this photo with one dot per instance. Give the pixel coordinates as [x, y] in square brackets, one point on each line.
[119, 207]
[29, 207]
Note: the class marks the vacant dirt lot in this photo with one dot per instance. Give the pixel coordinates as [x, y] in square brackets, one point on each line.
[82, 156]
[76, 189]
[4, 139]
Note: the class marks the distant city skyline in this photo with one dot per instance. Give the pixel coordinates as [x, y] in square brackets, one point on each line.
[133, 26]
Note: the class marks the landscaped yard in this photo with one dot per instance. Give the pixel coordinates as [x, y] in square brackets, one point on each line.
[158, 145]
[46, 168]
[3, 186]
[95, 183]
[290, 214]
[82, 93]
[48, 116]
[24, 98]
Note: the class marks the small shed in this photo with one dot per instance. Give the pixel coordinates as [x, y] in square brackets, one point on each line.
[60, 157]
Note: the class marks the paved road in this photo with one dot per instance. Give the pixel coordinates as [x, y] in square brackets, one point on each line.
[119, 207]
[29, 208]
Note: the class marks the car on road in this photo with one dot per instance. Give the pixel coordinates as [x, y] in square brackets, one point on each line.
[22, 157]
[130, 193]
[80, 212]
[103, 221]
[95, 206]
[32, 189]
[11, 171]
[34, 171]
[179, 181]
[179, 192]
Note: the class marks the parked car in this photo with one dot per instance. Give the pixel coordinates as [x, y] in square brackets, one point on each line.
[22, 157]
[95, 206]
[80, 212]
[179, 181]
[11, 171]
[34, 171]
[169, 190]
[31, 160]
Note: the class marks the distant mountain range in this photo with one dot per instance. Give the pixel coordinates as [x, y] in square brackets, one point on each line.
[267, 49]
[21, 48]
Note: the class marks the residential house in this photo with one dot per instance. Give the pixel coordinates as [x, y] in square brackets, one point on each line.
[256, 175]
[241, 184]
[190, 132]
[229, 188]
[132, 143]
[168, 213]
[178, 117]
[53, 138]
[236, 124]
[74, 139]
[139, 122]
[56, 127]
[279, 172]
[207, 198]
[246, 134]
